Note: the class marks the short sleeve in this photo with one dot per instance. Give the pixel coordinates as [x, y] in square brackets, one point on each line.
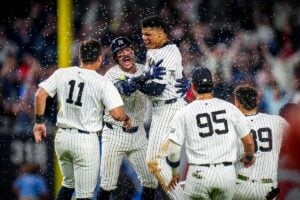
[111, 96]
[50, 84]
[241, 124]
[176, 133]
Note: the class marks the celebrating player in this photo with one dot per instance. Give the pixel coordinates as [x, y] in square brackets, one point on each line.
[260, 180]
[117, 141]
[209, 127]
[162, 94]
[82, 94]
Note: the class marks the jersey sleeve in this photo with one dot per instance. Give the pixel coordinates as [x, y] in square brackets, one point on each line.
[111, 96]
[241, 124]
[50, 84]
[177, 131]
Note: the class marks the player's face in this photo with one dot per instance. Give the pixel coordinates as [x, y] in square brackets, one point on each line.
[153, 38]
[125, 58]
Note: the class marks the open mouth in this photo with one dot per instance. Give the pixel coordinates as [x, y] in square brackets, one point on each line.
[127, 59]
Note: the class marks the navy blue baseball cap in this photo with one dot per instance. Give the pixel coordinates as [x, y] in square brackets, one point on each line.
[202, 76]
[120, 43]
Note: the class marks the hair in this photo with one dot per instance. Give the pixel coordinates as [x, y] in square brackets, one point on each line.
[89, 51]
[247, 96]
[287, 109]
[154, 21]
[204, 88]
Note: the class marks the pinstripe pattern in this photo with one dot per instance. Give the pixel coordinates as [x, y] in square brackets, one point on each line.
[199, 149]
[172, 61]
[267, 154]
[161, 118]
[116, 143]
[210, 182]
[134, 104]
[210, 130]
[82, 95]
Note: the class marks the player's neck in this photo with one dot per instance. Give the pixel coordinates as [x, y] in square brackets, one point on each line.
[89, 66]
[204, 96]
[249, 112]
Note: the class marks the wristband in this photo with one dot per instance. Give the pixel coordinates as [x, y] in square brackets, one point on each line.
[39, 119]
[173, 164]
[249, 158]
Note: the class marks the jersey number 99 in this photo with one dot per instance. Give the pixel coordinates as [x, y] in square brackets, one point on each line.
[264, 136]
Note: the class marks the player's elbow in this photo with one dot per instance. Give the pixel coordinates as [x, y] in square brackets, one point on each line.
[40, 95]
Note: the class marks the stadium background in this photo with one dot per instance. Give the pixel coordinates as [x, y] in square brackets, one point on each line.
[258, 41]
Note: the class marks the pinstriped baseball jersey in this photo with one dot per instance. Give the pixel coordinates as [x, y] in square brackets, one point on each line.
[172, 61]
[210, 129]
[116, 143]
[135, 104]
[268, 131]
[82, 94]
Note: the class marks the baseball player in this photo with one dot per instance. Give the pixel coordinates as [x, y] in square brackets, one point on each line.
[82, 94]
[260, 180]
[162, 94]
[209, 128]
[118, 141]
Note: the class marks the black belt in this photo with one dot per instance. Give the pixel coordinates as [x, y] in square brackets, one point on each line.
[169, 101]
[222, 163]
[127, 130]
[79, 131]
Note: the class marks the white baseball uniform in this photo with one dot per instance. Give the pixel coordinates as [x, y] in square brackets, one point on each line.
[82, 95]
[210, 130]
[255, 182]
[165, 106]
[118, 142]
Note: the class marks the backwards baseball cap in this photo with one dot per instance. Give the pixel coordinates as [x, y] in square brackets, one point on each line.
[202, 79]
[120, 43]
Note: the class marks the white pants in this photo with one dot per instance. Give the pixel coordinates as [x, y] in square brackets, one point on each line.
[79, 159]
[214, 182]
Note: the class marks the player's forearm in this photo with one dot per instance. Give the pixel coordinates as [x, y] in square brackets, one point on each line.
[173, 158]
[152, 89]
[248, 144]
[40, 104]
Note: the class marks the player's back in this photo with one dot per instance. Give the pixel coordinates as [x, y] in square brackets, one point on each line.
[268, 131]
[213, 127]
[80, 95]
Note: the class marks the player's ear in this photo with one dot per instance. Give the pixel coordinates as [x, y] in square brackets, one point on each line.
[100, 60]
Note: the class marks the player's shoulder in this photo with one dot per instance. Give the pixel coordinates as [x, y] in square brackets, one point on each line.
[276, 119]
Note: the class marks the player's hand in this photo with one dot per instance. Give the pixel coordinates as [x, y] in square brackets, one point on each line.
[174, 181]
[39, 132]
[127, 123]
[156, 71]
[153, 167]
[183, 85]
[247, 162]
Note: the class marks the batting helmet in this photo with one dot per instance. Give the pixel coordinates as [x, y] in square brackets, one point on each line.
[119, 43]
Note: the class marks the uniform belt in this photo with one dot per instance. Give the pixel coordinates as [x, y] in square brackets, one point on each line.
[216, 164]
[80, 131]
[169, 101]
[246, 178]
[127, 130]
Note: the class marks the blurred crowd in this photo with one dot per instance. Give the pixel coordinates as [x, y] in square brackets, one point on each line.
[255, 42]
